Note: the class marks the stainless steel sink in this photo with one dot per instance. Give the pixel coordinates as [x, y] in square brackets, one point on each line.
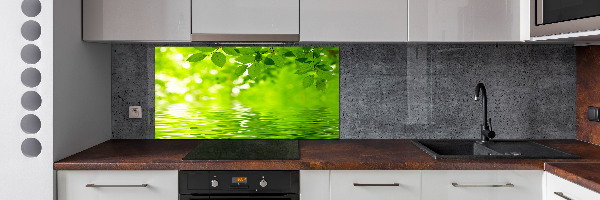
[493, 149]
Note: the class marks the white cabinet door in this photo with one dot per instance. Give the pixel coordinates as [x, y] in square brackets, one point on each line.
[314, 184]
[482, 184]
[117, 185]
[219, 19]
[354, 20]
[375, 185]
[468, 20]
[136, 20]
[561, 189]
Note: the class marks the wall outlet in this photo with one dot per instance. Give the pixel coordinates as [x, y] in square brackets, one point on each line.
[135, 112]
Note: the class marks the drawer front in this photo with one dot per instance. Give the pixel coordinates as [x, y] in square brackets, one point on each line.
[407, 185]
[566, 190]
[113, 185]
[482, 184]
[314, 185]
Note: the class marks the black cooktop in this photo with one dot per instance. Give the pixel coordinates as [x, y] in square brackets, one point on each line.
[245, 150]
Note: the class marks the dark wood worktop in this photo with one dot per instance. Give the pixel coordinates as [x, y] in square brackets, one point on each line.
[581, 173]
[314, 155]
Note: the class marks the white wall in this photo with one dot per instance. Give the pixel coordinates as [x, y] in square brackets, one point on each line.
[82, 84]
[24, 177]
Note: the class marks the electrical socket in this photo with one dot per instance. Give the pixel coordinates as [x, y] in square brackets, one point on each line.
[135, 112]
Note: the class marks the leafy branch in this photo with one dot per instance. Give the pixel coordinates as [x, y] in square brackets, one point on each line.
[317, 65]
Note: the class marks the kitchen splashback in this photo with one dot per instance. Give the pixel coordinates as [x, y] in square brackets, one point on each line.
[407, 90]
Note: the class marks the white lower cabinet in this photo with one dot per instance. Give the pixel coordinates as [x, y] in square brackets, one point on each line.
[561, 189]
[482, 184]
[314, 184]
[117, 185]
[375, 185]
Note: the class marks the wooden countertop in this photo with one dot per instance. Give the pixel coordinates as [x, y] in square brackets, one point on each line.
[581, 173]
[314, 155]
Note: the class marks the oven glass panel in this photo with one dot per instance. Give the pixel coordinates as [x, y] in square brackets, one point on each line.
[554, 11]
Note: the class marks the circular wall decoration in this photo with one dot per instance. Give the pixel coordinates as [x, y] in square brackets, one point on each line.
[31, 54]
[31, 30]
[31, 124]
[31, 147]
[31, 77]
[31, 8]
[31, 100]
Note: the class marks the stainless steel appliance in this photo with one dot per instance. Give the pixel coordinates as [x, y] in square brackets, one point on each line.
[235, 185]
[555, 17]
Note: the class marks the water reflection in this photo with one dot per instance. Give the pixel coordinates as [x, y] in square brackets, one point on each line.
[237, 121]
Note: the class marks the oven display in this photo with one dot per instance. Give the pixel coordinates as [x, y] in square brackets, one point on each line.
[239, 180]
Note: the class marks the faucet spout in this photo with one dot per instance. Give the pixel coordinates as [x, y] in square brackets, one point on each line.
[486, 132]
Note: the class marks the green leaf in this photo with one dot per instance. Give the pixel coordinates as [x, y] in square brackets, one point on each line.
[299, 53]
[308, 81]
[289, 54]
[321, 84]
[245, 59]
[279, 61]
[256, 49]
[196, 57]
[258, 57]
[255, 70]
[302, 59]
[230, 51]
[246, 51]
[324, 68]
[303, 68]
[269, 61]
[281, 51]
[240, 70]
[205, 49]
[326, 75]
[218, 59]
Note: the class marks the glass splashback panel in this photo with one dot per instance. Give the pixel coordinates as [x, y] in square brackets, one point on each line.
[246, 92]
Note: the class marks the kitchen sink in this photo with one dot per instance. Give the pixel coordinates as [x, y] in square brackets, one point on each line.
[441, 149]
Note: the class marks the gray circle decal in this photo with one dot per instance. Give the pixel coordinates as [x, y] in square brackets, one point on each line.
[31, 77]
[31, 124]
[31, 54]
[31, 30]
[31, 100]
[31, 147]
[31, 8]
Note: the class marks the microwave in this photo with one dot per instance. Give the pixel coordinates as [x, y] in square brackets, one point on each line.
[564, 17]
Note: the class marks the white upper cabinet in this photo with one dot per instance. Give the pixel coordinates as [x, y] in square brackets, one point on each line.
[245, 20]
[136, 20]
[354, 20]
[468, 20]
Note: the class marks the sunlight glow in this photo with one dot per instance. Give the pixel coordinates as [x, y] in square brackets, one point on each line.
[186, 65]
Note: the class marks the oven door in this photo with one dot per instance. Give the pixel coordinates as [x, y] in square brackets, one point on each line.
[238, 197]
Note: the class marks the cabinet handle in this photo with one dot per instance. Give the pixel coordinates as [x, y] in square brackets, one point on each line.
[560, 194]
[362, 184]
[505, 185]
[94, 185]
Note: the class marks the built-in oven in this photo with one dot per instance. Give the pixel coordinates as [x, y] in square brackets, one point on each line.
[236, 185]
[553, 17]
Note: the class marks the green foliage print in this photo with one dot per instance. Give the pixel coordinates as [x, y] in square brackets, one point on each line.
[247, 92]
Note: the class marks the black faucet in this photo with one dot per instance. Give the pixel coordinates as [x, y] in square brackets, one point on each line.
[486, 129]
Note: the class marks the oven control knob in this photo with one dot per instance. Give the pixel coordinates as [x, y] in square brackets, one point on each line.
[214, 183]
[263, 183]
